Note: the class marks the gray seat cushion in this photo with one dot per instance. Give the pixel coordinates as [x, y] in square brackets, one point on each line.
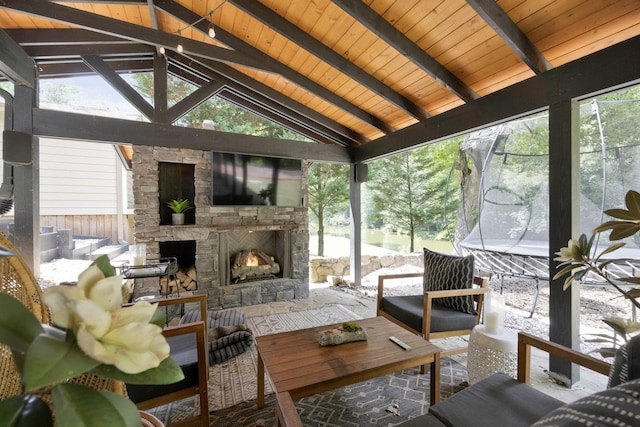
[409, 309]
[497, 400]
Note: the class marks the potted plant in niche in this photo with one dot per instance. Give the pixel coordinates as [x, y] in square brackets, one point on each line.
[179, 207]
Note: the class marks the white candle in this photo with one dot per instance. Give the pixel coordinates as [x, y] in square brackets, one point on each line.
[492, 322]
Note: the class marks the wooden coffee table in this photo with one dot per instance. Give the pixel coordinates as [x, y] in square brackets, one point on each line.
[299, 365]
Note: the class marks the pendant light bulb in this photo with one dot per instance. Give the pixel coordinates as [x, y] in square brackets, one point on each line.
[180, 48]
[212, 31]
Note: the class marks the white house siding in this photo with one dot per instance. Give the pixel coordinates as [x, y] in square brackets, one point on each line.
[78, 178]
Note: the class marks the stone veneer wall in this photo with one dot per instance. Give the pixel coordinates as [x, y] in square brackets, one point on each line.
[210, 221]
[321, 268]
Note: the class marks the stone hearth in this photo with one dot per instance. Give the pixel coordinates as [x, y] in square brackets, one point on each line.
[213, 229]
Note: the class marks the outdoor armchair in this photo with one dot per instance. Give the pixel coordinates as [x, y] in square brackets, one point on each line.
[188, 344]
[451, 304]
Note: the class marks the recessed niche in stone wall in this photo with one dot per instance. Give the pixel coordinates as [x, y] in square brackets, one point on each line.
[176, 181]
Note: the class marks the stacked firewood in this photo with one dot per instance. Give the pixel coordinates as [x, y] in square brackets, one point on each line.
[253, 263]
[185, 280]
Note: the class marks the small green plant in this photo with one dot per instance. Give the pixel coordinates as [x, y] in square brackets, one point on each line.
[179, 205]
[351, 326]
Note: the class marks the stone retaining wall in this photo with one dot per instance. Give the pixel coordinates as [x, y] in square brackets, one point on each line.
[321, 268]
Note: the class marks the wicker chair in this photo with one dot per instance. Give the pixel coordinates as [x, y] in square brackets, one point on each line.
[17, 280]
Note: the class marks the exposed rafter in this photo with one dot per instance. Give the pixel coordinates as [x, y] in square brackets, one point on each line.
[402, 44]
[118, 83]
[229, 39]
[281, 25]
[115, 27]
[491, 12]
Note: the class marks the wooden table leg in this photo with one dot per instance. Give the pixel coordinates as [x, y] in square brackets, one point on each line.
[260, 381]
[435, 379]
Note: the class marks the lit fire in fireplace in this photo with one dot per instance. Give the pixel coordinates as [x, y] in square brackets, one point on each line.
[252, 260]
[252, 264]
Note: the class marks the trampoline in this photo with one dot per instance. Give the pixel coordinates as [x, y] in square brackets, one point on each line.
[510, 236]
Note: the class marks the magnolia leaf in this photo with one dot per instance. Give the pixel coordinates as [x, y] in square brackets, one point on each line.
[50, 361]
[81, 406]
[18, 325]
[25, 411]
[159, 318]
[564, 271]
[104, 264]
[632, 199]
[168, 372]
[623, 231]
[610, 249]
[635, 292]
[621, 214]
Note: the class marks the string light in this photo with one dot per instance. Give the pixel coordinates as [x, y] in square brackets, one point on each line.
[211, 31]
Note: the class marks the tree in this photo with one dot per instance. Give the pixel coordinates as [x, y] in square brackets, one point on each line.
[409, 190]
[328, 193]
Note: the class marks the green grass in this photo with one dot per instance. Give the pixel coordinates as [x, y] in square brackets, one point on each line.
[393, 241]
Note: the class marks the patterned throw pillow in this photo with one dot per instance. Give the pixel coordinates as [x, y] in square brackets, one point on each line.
[618, 406]
[443, 272]
[626, 365]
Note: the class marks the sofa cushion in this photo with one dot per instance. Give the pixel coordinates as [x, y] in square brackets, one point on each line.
[497, 400]
[626, 365]
[409, 309]
[617, 406]
[445, 272]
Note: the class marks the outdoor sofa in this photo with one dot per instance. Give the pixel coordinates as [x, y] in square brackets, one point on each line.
[499, 400]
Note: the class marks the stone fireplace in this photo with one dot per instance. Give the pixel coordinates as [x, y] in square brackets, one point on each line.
[219, 232]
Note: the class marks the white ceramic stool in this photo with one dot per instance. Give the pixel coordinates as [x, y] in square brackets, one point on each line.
[490, 353]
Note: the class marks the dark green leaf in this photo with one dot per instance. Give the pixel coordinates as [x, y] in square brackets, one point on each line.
[159, 318]
[18, 325]
[167, 373]
[50, 360]
[624, 231]
[621, 214]
[25, 411]
[632, 199]
[104, 264]
[81, 406]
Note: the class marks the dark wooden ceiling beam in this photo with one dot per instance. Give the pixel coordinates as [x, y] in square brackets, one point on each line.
[337, 61]
[194, 99]
[160, 89]
[74, 51]
[118, 83]
[185, 15]
[605, 70]
[270, 98]
[500, 22]
[76, 68]
[125, 30]
[59, 124]
[14, 62]
[67, 36]
[269, 114]
[375, 23]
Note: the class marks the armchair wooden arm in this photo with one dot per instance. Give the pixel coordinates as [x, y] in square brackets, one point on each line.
[526, 341]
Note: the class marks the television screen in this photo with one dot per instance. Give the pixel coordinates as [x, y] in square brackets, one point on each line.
[240, 179]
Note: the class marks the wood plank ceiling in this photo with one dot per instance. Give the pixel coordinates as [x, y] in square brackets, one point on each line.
[341, 72]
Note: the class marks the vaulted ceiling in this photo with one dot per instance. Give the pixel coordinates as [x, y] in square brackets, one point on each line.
[343, 72]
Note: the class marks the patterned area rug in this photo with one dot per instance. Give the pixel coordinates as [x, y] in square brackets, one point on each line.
[369, 403]
[234, 381]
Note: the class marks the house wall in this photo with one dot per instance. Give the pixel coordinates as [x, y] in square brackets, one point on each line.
[81, 189]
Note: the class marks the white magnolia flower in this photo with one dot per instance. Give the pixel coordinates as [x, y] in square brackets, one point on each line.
[106, 331]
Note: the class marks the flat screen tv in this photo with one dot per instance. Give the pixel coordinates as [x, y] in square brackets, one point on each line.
[240, 179]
